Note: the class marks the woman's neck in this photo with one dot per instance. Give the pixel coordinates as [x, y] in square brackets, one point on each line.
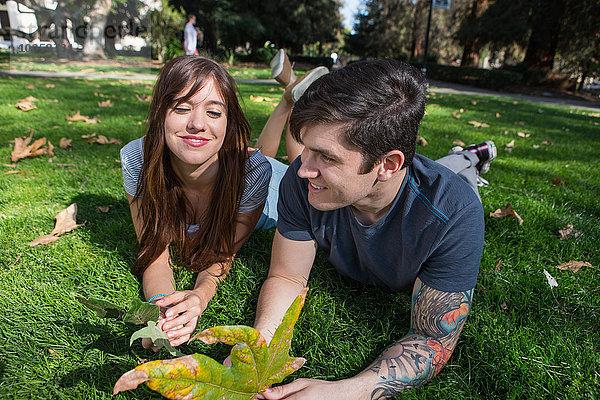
[196, 177]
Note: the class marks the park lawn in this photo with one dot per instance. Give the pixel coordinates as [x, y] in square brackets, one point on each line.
[522, 339]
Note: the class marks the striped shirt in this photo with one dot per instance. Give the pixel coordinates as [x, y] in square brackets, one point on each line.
[257, 175]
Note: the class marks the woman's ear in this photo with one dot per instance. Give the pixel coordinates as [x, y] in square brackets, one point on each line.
[390, 165]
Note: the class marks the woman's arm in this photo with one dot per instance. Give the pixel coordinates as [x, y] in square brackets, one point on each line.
[188, 305]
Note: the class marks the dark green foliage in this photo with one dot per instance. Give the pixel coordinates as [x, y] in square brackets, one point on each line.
[485, 78]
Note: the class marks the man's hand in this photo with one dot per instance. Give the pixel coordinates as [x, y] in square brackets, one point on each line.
[185, 307]
[311, 389]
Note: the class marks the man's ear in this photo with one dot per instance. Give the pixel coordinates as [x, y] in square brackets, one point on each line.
[390, 165]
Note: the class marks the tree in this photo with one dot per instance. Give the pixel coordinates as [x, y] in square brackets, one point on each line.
[546, 23]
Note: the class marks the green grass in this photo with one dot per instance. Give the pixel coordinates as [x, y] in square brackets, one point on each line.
[522, 339]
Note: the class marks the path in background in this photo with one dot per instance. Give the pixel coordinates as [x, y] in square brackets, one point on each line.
[437, 87]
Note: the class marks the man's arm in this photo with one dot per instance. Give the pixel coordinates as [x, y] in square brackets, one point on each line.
[291, 262]
[437, 319]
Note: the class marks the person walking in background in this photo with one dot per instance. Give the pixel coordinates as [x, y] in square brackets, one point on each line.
[190, 36]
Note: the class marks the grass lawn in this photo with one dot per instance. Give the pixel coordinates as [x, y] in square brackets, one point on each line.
[522, 340]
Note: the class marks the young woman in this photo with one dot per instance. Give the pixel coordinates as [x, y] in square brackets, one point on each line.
[196, 190]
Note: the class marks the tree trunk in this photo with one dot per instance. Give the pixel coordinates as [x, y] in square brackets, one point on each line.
[546, 19]
[416, 47]
[93, 46]
[472, 45]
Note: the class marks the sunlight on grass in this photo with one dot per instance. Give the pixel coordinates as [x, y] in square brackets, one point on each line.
[522, 339]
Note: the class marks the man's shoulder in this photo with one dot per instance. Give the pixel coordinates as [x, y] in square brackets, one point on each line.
[438, 188]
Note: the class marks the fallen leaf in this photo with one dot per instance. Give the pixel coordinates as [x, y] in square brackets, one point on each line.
[256, 365]
[498, 115]
[523, 135]
[459, 142]
[65, 143]
[551, 281]
[510, 145]
[104, 209]
[30, 98]
[143, 97]
[568, 232]
[101, 139]
[498, 265]
[574, 266]
[421, 141]
[88, 136]
[65, 222]
[11, 165]
[519, 123]
[559, 181]
[594, 114]
[473, 102]
[536, 146]
[25, 105]
[506, 212]
[50, 85]
[14, 171]
[504, 306]
[259, 99]
[106, 103]
[23, 149]
[547, 143]
[78, 117]
[477, 124]
[462, 110]
[29, 87]
[456, 115]
[52, 100]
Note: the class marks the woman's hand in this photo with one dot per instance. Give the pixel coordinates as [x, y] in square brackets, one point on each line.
[181, 317]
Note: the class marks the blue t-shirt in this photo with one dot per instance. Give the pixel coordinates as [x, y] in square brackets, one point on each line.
[434, 230]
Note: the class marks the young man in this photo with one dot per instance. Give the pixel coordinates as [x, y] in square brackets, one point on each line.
[383, 215]
[190, 36]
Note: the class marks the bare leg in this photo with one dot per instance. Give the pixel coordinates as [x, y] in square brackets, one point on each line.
[270, 137]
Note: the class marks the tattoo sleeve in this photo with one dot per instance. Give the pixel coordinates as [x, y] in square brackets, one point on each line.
[437, 319]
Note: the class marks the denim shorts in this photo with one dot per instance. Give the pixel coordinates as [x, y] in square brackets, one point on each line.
[268, 219]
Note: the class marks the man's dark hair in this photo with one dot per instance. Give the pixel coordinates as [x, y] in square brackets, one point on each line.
[190, 16]
[380, 103]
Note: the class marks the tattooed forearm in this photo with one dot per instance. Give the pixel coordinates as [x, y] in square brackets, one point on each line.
[436, 322]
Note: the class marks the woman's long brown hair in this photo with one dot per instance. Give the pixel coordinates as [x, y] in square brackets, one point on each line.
[163, 206]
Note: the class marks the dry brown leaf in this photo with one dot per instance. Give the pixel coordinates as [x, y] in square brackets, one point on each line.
[25, 105]
[104, 209]
[421, 141]
[510, 146]
[459, 142]
[574, 265]
[259, 99]
[143, 97]
[105, 103]
[477, 124]
[78, 117]
[506, 212]
[473, 102]
[559, 181]
[29, 87]
[547, 143]
[51, 85]
[23, 149]
[101, 139]
[10, 165]
[456, 115]
[523, 135]
[498, 115]
[65, 143]
[568, 232]
[52, 100]
[91, 135]
[594, 114]
[462, 110]
[498, 265]
[30, 98]
[519, 123]
[65, 222]
[14, 171]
